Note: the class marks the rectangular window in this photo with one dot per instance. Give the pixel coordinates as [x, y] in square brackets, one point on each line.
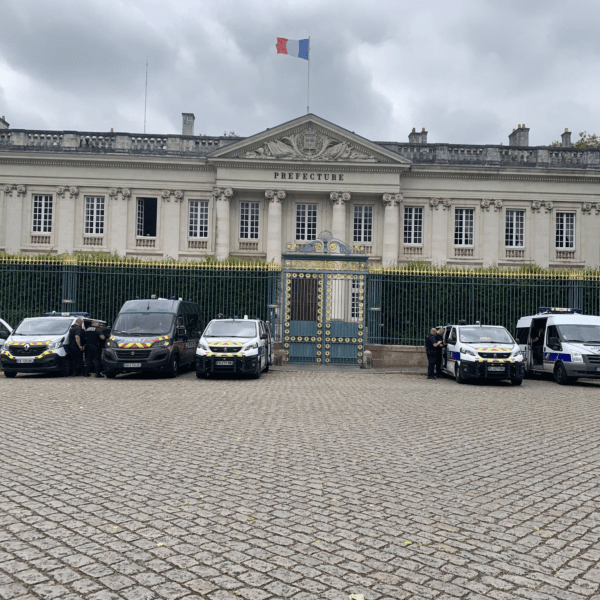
[514, 229]
[146, 217]
[249, 212]
[413, 225]
[94, 215]
[198, 219]
[42, 214]
[306, 222]
[463, 226]
[363, 223]
[565, 230]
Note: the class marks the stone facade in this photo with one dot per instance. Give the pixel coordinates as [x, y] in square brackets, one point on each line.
[186, 196]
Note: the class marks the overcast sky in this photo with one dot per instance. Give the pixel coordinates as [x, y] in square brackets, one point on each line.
[468, 71]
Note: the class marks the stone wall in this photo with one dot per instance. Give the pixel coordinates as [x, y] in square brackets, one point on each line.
[397, 356]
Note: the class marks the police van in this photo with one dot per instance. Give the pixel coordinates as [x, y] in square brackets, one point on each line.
[153, 335]
[561, 341]
[40, 344]
[480, 352]
[235, 345]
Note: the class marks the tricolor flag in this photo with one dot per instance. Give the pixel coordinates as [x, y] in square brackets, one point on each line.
[298, 48]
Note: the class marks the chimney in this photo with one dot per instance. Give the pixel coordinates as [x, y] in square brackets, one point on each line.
[417, 138]
[3, 123]
[566, 138]
[519, 136]
[188, 123]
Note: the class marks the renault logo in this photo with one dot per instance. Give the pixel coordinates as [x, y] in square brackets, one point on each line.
[26, 347]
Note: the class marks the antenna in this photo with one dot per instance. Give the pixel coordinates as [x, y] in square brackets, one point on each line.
[146, 95]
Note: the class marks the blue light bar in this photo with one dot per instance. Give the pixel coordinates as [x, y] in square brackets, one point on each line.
[66, 314]
[557, 310]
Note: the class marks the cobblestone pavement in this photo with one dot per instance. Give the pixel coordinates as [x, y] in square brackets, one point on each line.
[300, 485]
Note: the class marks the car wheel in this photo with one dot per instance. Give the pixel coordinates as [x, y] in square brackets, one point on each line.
[110, 374]
[560, 374]
[173, 367]
[459, 378]
[10, 374]
[516, 381]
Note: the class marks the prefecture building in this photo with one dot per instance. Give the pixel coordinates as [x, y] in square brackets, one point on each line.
[187, 196]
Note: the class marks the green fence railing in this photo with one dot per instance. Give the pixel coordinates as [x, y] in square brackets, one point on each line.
[33, 285]
[404, 303]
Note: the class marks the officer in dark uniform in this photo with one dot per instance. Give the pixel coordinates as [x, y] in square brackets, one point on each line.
[439, 338]
[431, 350]
[94, 340]
[76, 343]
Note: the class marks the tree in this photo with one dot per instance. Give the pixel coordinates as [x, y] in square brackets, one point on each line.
[585, 140]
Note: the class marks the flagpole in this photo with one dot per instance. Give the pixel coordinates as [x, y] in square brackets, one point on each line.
[308, 87]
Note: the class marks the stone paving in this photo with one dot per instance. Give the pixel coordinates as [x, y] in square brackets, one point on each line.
[301, 485]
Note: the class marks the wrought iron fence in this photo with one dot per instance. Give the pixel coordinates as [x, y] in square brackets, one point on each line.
[33, 285]
[403, 304]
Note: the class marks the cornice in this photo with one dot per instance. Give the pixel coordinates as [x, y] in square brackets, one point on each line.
[237, 163]
[101, 164]
[592, 178]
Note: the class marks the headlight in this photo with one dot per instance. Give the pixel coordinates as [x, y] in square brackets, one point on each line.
[250, 346]
[55, 345]
[468, 351]
[576, 357]
[161, 343]
[108, 343]
[203, 346]
[5, 347]
[516, 353]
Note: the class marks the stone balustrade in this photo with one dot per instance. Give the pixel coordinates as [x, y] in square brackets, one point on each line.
[182, 145]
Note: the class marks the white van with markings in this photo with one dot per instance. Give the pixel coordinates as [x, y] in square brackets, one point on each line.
[562, 342]
[481, 352]
[235, 345]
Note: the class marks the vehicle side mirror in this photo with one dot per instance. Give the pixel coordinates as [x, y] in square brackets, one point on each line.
[554, 343]
[264, 336]
[181, 332]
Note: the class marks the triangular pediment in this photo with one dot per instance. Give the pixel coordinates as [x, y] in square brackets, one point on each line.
[308, 138]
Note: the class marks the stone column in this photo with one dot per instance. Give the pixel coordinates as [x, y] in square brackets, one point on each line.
[391, 225]
[65, 218]
[222, 197]
[171, 226]
[117, 230]
[274, 242]
[490, 227]
[338, 221]
[542, 238]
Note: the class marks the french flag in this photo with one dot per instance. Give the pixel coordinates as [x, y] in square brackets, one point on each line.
[298, 48]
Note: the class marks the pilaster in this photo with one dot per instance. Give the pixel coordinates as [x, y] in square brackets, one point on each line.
[117, 218]
[490, 227]
[391, 226]
[66, 196]
[222, 225]
[13, 217]
[338, 220]
[274, 241]
[171, 210]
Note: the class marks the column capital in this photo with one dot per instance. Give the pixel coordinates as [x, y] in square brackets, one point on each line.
[339, 198]
[178, 194]
[114, 192]
[223, 194]
[20, 189]
[275, 195]
[72, 189]
[392, 199]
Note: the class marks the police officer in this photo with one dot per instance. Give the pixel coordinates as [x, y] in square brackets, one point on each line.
[431, 350]
[94, 340]
[76, 343]
[439, 338]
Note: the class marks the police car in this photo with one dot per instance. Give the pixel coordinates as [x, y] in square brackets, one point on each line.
[481, 351]
[235, 346]
[39, 344]
[561, 341]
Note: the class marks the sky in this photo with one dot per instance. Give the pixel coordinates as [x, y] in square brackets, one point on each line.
[468, 71]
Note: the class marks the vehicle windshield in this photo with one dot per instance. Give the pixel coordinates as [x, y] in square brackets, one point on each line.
[580, 333]
[243, 329]
[143, 324]
[485, 335]
[44, 326]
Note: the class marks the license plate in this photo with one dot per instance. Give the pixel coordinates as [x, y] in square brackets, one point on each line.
[495, 368]
[224, 363]
[132, 365]
[25, 360]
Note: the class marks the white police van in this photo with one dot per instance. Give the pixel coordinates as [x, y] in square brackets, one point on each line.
[235, 345]
[481, 351]
[39, 344]
[562, 342]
